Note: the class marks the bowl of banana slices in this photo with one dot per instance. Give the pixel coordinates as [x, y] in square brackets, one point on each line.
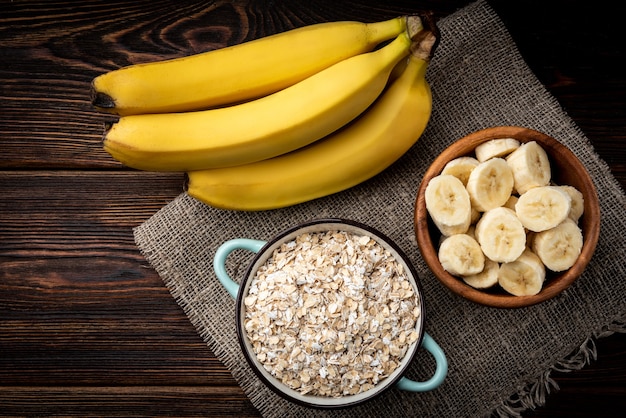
[507, 217]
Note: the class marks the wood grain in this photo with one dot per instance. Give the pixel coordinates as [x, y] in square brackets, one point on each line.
[86, 326]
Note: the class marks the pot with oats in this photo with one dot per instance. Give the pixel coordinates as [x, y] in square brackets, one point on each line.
[330, 314]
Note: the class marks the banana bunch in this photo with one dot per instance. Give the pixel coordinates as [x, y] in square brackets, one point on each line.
[502, 220]
[279, 120]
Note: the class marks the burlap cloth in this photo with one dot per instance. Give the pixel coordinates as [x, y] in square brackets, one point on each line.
[499, 360]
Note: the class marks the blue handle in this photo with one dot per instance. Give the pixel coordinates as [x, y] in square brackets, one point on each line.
[219, 262]
[232, 287]
[440, 372]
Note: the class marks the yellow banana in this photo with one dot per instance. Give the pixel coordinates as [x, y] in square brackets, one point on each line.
[258, 129]
[240, 72]
[344, 159]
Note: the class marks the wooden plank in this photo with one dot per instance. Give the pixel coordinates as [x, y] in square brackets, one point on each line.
[116, 401]
[118, 199]
[78, 302]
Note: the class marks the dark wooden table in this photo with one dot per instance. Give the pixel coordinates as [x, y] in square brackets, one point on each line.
[87, 328]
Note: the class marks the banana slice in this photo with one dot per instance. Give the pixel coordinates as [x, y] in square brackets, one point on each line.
[524, 276]
[510, 203]
[542, 208]
[530, 237]
[530, 165]
[475, 216]
[559, 247]
[460, 168]
[471, 231]
[578, 202]
[460, 255]
[486, 278]
[496, 148]
[448, 204]
[490, 184]
[501, 235]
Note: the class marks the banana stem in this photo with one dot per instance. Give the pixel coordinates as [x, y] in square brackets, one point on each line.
[414, 25]
[424, 35]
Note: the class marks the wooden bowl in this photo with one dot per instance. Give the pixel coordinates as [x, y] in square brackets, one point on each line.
[566, 170]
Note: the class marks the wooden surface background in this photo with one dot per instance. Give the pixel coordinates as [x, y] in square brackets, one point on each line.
[87, 328]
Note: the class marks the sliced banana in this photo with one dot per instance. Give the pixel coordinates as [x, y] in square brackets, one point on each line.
[524, 276]
[475, 216]
[519, 223]
[530, 237]
[460, 255]
[490, 184]
[448, 204]
[510, 203]
[471, 231]
[460, 168]
[501, 235]
[559, 247]
[530, 165]
[578, 202]
[486, 278]
[542, 208]
[496, 148]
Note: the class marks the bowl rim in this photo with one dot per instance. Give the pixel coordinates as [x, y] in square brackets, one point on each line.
[320, 402]
[560, 281]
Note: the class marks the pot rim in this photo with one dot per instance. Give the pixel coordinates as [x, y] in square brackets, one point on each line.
[319, 401]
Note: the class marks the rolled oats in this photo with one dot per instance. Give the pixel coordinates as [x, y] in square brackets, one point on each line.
[331, 313]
